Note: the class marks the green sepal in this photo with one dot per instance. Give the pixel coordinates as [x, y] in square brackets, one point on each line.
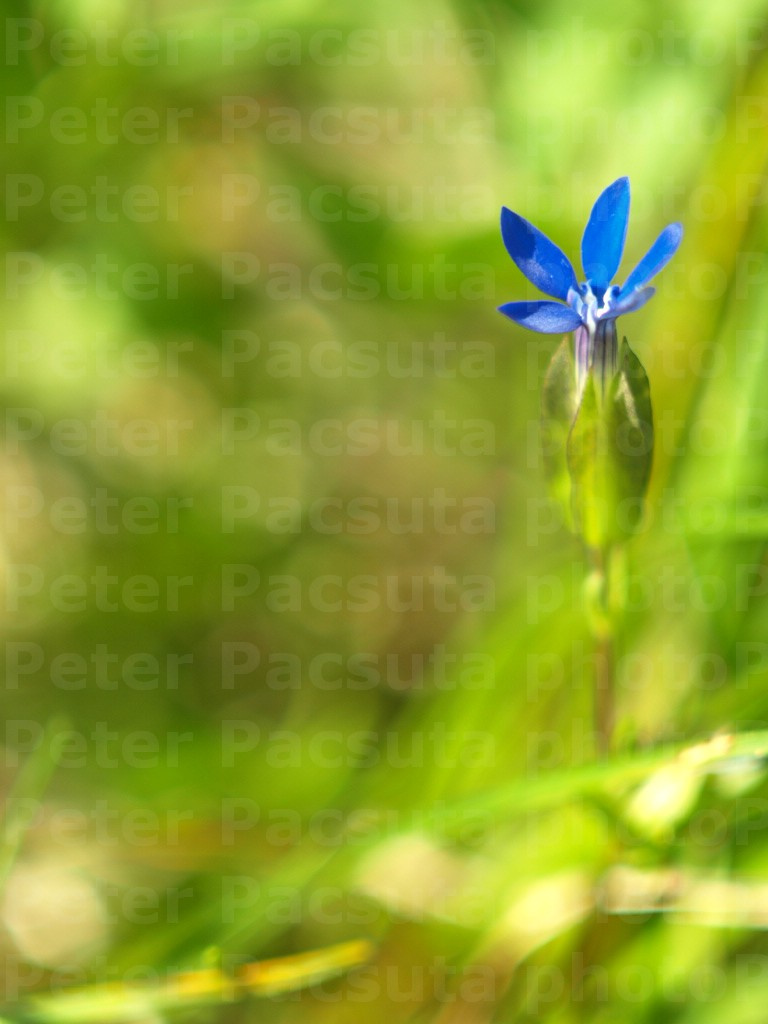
[609, 452]
[559, 402]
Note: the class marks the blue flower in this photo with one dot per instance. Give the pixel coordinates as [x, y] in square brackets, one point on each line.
[584, 305]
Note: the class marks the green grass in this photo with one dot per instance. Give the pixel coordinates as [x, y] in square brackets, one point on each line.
[275, 533]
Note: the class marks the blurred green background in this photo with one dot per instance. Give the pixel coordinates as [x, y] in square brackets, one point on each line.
[275, 539]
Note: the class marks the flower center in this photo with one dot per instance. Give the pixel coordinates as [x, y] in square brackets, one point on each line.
[592, 303]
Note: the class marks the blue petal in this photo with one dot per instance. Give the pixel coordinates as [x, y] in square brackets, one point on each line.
[657, 257]
[539, 259]
[545, 317]
[603, 241]
[631, 302]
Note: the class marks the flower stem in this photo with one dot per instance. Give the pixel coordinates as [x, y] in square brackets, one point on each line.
[600, 610]
[605, 694]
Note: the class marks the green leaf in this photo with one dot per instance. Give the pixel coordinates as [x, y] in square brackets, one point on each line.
[633, 431]
[559, 402]
[549, 790]
[610, 449]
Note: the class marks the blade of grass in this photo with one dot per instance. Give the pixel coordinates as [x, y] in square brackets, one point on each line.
[543, 792]
[120, 1003]
[23, 801]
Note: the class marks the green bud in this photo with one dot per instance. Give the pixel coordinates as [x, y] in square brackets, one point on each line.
[597, 442]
